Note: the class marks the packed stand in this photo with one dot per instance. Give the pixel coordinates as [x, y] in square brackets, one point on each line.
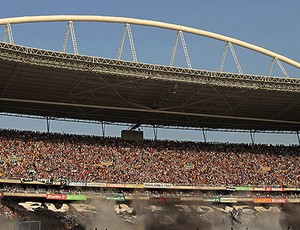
[94, 159]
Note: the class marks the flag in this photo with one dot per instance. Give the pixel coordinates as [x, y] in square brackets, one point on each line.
[189, 166]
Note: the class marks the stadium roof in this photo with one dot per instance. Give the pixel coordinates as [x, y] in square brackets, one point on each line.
[54, 84]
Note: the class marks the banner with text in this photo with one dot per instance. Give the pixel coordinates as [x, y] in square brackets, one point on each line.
[243, 188]
[212, 199]
[96, 184]
[56, 197]
[228, 200]
[76, 197]
[115, 196]
[268, 200]
[269, 189]
[76, 184]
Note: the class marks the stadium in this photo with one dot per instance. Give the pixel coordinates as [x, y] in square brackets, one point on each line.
[67, 181]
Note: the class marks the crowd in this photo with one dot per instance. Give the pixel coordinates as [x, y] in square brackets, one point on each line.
[95, 159]
[7, 213]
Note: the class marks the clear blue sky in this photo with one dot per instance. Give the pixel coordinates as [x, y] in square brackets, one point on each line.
[272, 24]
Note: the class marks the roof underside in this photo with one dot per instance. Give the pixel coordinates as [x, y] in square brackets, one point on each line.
[53, 84]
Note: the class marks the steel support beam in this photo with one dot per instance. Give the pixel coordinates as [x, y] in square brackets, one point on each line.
[70, 29]
[8, 32]
[48, 122]
[120, 52]
[237, 63]
[155, 132]
[145, 71]
[185, 50]
[252, 136]
[103, 128]
[169, 26]
[130, 36]
[204, 133]
[282, 67]
[223, 57]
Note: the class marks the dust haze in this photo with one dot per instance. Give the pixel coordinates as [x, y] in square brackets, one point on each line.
[140, 215]
[143, 215]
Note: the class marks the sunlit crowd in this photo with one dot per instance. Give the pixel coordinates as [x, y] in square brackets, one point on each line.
[95, 159]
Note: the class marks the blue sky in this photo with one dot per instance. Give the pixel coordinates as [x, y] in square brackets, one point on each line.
[272, 24]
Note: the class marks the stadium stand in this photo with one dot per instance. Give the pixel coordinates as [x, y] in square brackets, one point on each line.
[32, 156]
[68, 181]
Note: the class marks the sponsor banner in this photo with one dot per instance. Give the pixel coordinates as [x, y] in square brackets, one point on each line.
[278, 200]
[268, 189]
[293, 200]
[167, 185]
[45, 181]
[56, 197]
[298, 189]
[278, 189]
[194, 199]
[134, 186]
[228, 200]
[26, 179]
[152, 185]
[185, 187]
[76, 197]
[243, 188]
[260, 189]
[230, 188]
[161, 185]
[115, 185]
[290, 189]
[79, 184]
[269, 200]
[212, 199]
[244, 199]
[211, 188]
[95, 184]
[115, 196]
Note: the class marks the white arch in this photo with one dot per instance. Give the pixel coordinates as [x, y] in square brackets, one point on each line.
[91, 18]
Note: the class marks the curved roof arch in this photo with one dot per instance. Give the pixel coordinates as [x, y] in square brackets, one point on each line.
[151, 23]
